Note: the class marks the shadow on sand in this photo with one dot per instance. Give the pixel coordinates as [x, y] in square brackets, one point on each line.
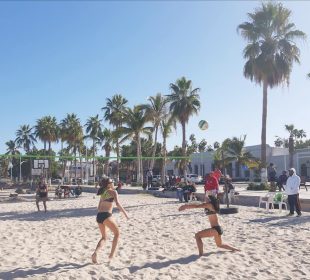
[281, 221]
[39, 270]
[183, 260]
[53, 214]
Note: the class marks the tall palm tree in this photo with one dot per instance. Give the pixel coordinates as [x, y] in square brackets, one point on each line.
[184, 102]
[72, 133]
[114, 113]
[93, 128]
[270, 53]
[135, 120]
[25, 139]
[107, 138]
[167, 125]
[47, 131]
[156, 111]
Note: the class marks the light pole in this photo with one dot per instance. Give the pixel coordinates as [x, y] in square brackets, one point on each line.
[20, 169]
[11, 167]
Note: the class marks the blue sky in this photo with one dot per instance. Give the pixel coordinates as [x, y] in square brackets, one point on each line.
[63, 57]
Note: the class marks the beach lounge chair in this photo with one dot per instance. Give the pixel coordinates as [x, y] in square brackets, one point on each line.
[279, 199]
[267, 200]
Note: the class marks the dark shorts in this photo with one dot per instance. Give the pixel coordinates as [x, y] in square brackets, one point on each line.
[42, 194]
[101, 216]
[218, 229]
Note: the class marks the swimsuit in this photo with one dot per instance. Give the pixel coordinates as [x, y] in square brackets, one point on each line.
[105, 196]
[101, 216]
[218, 229]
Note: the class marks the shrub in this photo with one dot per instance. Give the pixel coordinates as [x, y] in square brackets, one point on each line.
[257, 187]
[19, 191]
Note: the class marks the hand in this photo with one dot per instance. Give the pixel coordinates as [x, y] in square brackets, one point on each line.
[182, 208]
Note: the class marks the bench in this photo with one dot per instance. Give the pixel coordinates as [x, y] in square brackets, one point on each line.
[303, 182]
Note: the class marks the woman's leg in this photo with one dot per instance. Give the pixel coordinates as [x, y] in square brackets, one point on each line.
[219, 243]
[37, 203]
[102, 229]
[114, 228]
[202, 234]
[44, 204]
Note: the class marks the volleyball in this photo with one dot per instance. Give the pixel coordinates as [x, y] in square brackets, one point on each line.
[203, 125]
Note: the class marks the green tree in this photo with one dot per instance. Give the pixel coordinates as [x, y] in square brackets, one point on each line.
[135, 120]
[107, 140]
[93, 130]
[72, 133]
[25, 139]
[270, 53]
[184, 102]
[12, 151]
[47, 131]
[114, 112]
[156, 111]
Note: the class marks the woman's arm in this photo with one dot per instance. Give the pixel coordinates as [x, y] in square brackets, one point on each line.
[118, 204]
[192, 206]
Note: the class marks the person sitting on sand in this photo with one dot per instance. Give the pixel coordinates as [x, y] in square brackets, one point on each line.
[41, 194]
[211, 210]
[104, 217]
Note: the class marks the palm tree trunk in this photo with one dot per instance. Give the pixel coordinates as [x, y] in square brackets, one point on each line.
[154, 148]
[75, 162]
[163, 170]
[117, 160]
[263, 135]
[49, 160]
[94, 165]
[107, 155]
[183, 149]
[291, 151]
[140, 178]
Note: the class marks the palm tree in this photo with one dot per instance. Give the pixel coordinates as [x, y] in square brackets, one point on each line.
[184, 102]
[47, 131]
[72, 133]
[294, 135]
[25, 139]
[167, 125]
[93, 128]
[12, 150]
[135, 120]
[114, 114]
[235, 149]
[107, 138]
[155, 112]
[270, 53]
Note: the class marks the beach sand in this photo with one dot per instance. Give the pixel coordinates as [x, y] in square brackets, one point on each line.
[156, 243]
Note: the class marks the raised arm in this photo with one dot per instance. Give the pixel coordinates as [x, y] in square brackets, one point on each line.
[201, 205]
[118, 204]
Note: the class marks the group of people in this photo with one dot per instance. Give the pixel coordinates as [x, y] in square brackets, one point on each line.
[105, 221]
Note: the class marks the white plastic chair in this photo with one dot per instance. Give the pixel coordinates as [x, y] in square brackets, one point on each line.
[280, 202]
[267, 200]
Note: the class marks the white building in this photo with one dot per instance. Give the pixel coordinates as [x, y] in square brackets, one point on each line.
[203, 163]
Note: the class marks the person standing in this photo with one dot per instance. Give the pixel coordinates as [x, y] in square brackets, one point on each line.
[41, 194]
[211, 184]
[104, 216]
[292, 191]
[149, 179]
[282, 181]
[272, 174]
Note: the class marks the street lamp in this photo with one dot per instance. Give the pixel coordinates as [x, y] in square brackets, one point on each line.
[20, 169]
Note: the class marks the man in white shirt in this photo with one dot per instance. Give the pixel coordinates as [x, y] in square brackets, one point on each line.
[292, 191]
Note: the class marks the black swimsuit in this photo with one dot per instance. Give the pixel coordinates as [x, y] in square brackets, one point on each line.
[217, 228]
[101, 216]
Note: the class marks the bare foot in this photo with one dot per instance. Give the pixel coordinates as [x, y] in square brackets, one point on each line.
[236, 250]
[94, 258]
[111, 257]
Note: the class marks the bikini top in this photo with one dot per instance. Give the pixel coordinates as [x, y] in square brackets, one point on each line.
[105, 196]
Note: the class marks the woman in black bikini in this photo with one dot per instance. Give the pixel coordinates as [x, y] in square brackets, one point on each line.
[41, 194]
[104, 216]
[211, 209]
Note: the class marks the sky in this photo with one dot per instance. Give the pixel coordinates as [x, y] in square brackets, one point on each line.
[68, 57]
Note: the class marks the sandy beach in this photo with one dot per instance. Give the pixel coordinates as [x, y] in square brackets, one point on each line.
[156, 243]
